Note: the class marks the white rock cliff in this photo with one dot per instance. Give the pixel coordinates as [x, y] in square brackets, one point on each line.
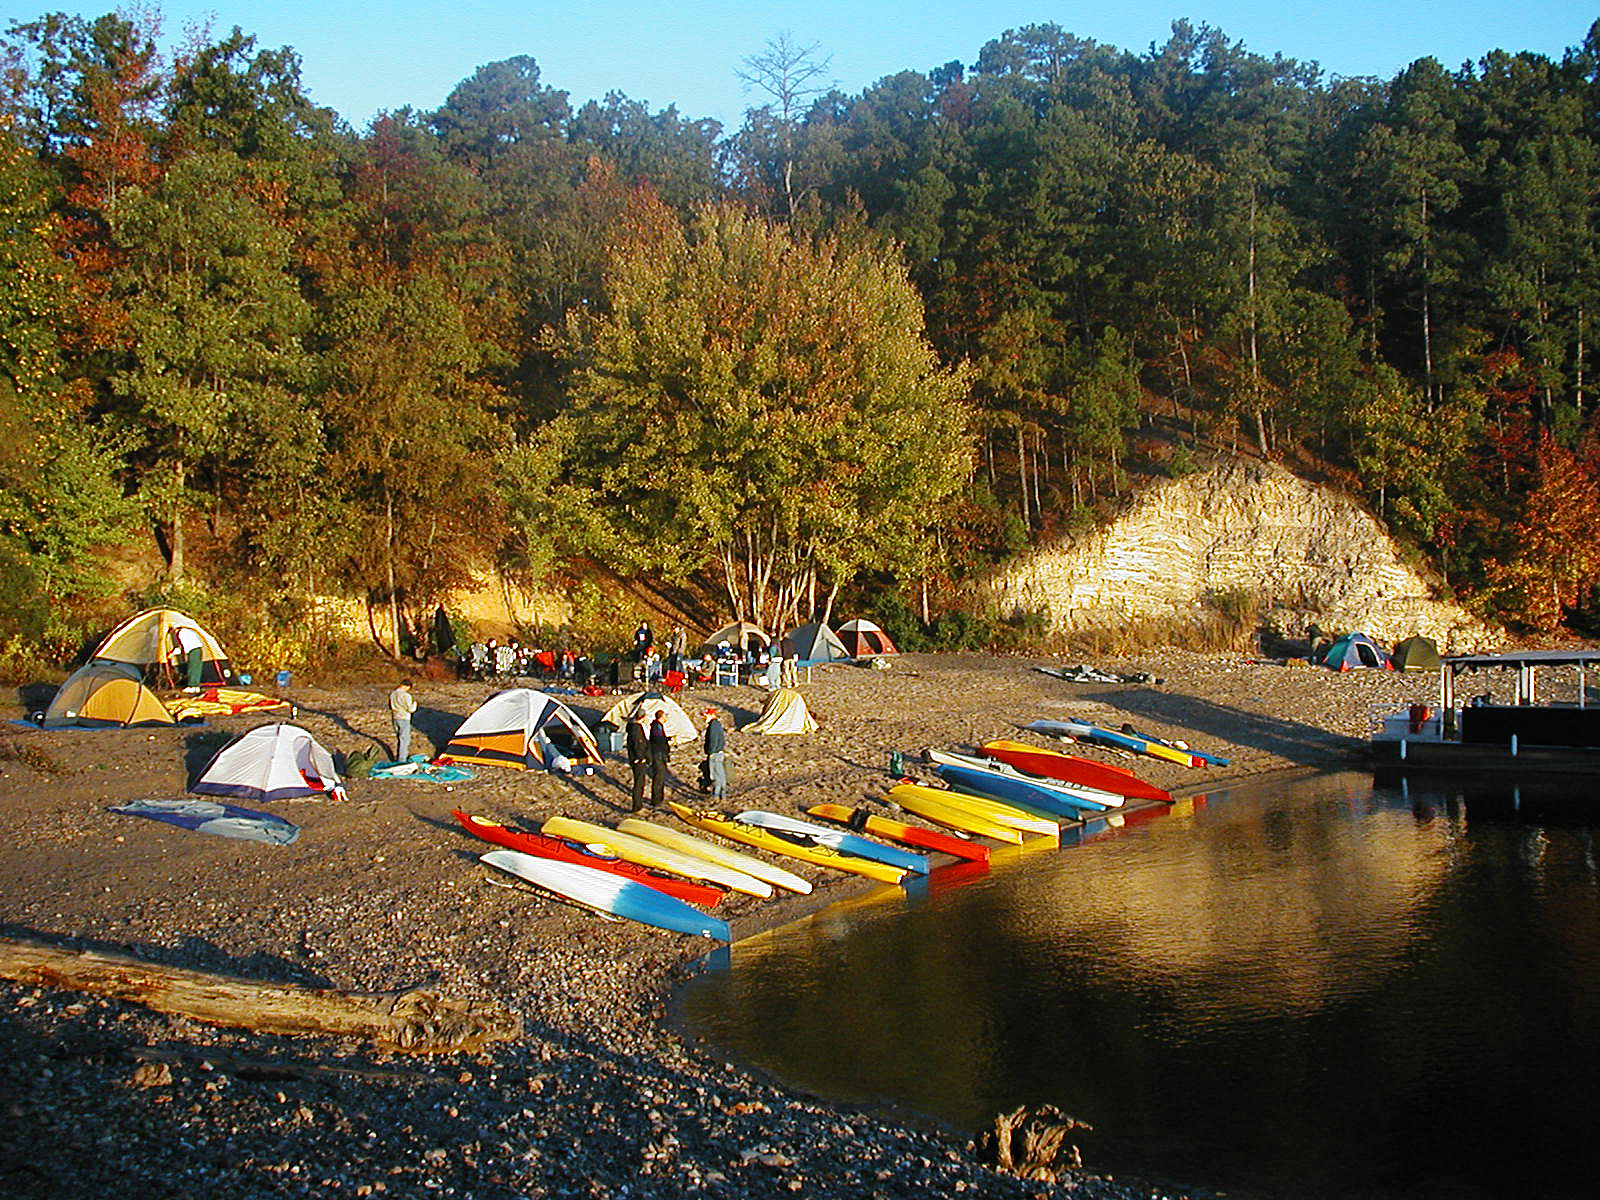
[1305, 555]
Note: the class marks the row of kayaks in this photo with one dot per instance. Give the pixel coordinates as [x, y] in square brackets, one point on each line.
[1129, 739]
[667, 876]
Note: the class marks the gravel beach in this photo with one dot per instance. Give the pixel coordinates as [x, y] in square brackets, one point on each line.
[602, 1096]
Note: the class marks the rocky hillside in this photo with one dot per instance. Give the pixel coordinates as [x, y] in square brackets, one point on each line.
[1304, 555]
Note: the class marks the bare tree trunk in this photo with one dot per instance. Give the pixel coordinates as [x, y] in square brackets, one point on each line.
[180, 480]
[1257, 401]
[1579, 380]
[394, 600]
[1427, 310]
[1022, 478]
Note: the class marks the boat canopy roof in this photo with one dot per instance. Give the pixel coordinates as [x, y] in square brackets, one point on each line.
[1525, 658]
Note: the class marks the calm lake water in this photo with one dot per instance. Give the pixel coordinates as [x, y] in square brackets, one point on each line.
[1319, 989]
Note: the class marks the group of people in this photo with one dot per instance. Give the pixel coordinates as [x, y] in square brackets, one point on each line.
[653, 661]
[496, 660]
[648, 748]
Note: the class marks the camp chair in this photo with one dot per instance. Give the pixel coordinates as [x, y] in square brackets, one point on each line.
[547, 663]
[672, 681]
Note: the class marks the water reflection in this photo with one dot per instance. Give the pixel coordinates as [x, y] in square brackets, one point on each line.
[1325, 989]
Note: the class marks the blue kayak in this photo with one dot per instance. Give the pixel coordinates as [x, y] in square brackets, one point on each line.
[608, 893]
[1085, 732]
[837, 839]
[1018, 791]
[1138, 743]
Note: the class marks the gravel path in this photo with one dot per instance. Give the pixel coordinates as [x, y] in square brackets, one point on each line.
[602, 1097]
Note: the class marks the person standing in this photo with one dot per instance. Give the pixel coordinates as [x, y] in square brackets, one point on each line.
[638, 746]
[643, 639]
[716, 757]
[191, 654]
[402, 704]
[660, 747]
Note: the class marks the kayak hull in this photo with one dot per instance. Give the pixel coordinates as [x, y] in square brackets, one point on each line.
[723, 825]
[838, 839]
[1019, 791]
[944, 807]
[541, 846]
[899, 831]
[687, 843]
[654, 855]
[1072, 769]
[608, 893]
[1078, 797]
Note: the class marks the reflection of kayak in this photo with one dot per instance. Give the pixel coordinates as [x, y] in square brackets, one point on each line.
[654, 855]
[1073, 769]
[541, 846]
[839, 839]
[953, 875]
[899, 831]
[677, 839]
[608, 893]
[1003, 782]
[721, 824]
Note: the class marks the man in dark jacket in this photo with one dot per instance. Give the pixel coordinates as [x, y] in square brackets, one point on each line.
[716, 747]
[659, 748]
[638, 746]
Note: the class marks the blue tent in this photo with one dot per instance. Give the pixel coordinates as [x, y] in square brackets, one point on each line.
[1355, 651]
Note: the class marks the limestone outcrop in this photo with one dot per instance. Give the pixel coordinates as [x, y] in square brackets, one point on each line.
[1300, 554]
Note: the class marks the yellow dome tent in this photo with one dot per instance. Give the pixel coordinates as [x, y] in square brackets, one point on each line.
[785, 712]
[168, 647]
[105, 694]
[680, 729]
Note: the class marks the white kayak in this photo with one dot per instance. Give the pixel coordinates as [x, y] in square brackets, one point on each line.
[607, 893]
[653, 854]
[687, 843]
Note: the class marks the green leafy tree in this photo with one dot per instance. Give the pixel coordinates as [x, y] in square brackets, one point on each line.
[412, 365]
[60, 504]
[762, 403]
[215, 319]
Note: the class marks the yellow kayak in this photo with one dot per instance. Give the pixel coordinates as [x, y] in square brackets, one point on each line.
[676, 839]
[723, 825]
[917, 798]
[931, 805]
[649, 854]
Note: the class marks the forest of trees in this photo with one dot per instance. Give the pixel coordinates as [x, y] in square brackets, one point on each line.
[861, 345]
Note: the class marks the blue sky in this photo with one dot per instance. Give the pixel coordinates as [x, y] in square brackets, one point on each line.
[361, 58]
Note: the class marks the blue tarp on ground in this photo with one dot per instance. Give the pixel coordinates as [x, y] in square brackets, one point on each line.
[223, 820]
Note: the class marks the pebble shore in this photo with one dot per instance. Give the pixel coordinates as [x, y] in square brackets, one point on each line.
[603, 1096]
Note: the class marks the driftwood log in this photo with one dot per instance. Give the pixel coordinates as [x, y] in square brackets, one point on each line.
[414, 1022]
[1028, 1145]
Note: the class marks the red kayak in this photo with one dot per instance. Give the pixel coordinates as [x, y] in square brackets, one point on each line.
[1053, 764]
[550, 847]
